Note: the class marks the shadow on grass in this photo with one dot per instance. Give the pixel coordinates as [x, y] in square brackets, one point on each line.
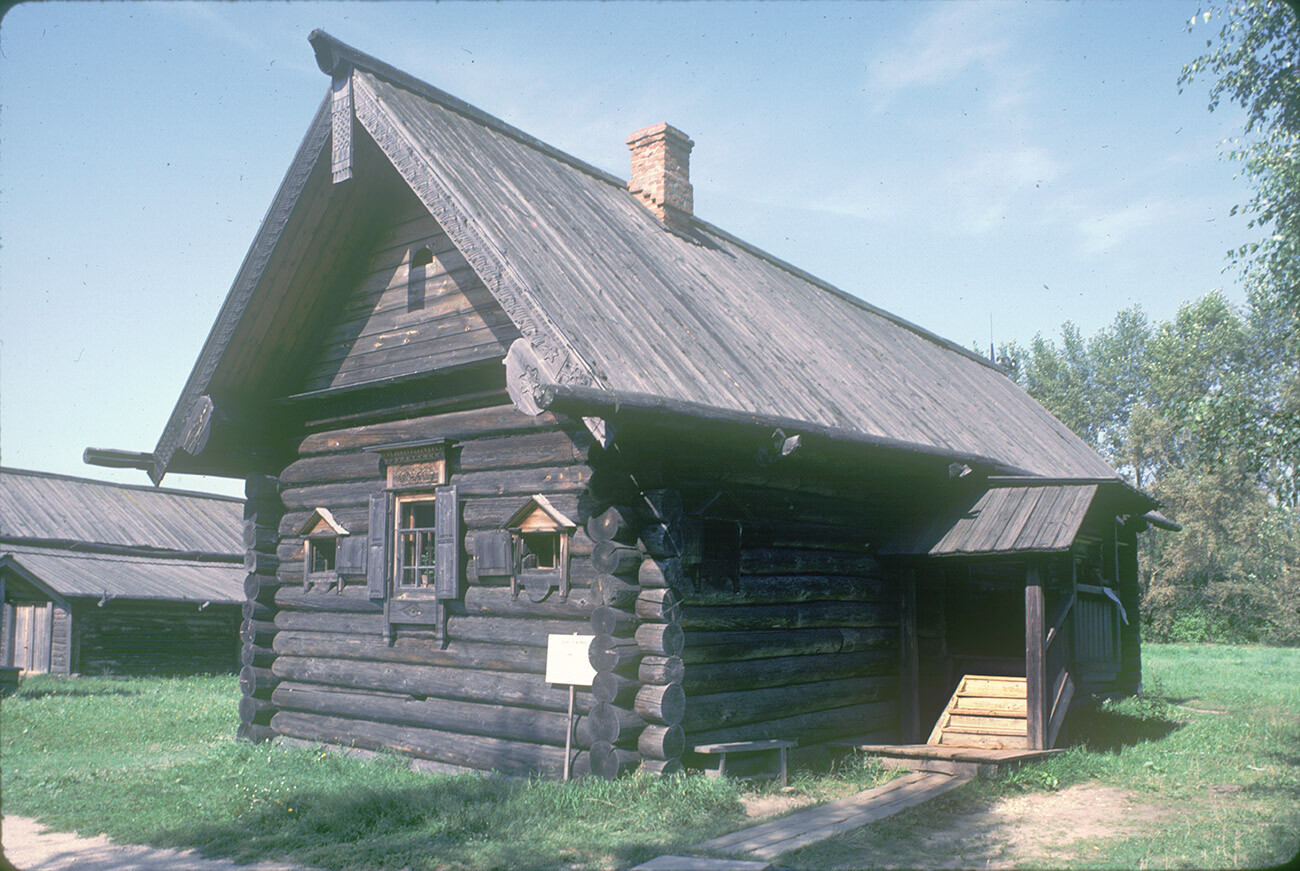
[1109, 729]
[40, 692]
[454, 822]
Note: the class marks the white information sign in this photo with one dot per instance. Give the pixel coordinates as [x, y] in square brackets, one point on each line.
[567, 660]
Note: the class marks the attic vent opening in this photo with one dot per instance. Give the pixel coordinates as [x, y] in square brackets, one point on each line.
[417, 277]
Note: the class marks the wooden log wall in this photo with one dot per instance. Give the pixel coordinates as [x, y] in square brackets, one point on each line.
[61, 644]
[132, 637]
[263, 510]
[800, 642]
[475, 694]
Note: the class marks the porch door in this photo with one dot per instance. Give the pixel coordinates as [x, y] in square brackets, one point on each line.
[32, 637]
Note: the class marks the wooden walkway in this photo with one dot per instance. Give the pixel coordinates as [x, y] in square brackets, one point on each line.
[769, 840]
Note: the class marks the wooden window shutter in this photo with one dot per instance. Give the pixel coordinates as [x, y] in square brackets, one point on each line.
[492, 553]
[377, 545]
[351, 560]
[446, 582]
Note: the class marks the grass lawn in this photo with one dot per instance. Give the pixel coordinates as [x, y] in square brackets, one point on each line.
[1202, 772]
[152, 761]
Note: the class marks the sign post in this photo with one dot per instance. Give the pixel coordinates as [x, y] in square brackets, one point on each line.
[568, 662]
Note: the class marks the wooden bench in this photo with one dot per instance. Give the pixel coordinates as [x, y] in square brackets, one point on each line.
[767, 746]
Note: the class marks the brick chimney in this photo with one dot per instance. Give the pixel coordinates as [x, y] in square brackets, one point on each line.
[661, 173]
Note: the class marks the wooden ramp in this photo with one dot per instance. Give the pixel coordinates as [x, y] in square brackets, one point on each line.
[769, 840]
[986, 711]
[946, 759]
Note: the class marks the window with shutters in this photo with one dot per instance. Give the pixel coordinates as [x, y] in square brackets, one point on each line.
[325, 543]
[539, 549]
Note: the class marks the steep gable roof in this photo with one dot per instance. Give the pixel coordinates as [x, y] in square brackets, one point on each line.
[612, 300]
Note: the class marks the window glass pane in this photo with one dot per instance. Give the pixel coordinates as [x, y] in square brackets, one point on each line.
[415, 542]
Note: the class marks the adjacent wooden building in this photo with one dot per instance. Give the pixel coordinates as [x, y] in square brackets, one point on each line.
[482, 392]
[101, 578]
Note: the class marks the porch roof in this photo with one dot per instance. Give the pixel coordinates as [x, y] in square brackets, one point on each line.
[1009, 518]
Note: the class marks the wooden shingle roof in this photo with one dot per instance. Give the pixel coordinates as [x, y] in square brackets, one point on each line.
[80, 537]
[620, 303]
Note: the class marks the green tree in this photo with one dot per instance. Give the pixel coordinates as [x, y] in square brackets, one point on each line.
[1255, 63]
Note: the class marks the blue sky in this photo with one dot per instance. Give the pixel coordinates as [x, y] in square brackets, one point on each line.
[1024, 163]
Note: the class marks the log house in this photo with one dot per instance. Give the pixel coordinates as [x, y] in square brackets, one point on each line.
[482, 392]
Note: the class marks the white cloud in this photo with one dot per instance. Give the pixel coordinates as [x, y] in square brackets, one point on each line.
[1103, 232]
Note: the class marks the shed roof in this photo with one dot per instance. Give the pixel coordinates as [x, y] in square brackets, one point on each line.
[72, 574]
[1021, 518]
[39, 505]
[618, 302]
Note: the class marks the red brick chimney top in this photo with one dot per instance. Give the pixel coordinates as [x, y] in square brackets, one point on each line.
[661, 173]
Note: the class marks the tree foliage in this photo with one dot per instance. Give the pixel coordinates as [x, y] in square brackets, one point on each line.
[1178, 408]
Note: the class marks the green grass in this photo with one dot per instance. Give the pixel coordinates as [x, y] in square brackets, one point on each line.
[1222, 789]
[152, 761]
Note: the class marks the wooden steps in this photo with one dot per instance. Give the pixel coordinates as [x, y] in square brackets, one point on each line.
[986, 711]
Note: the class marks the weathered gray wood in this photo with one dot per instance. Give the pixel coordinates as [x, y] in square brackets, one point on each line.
[413, 651]
[608, 653]
[255, 733]
[661, 573]
[613, 724]
[812, 728]
[660, 605]
[471, 751]
[618, 523]
[795, 615]
[909, 682]
[614, 688]
[615, 592]
[1035, 664]
[661, 766]
[753, 705]
[661, 639]
[470, 718]
[252, 654]
[353, 600]
[255, 711]
[783, 561]
[703, 678]
[503, 688]
[661, 669]
[657, 741]
[613, 558]
[257, 682]
[661, 704]
[609, 762]
[611, 621]
[728, 646]
[776, 589]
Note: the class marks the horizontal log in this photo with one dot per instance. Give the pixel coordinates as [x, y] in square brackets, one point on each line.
[661, 669]
[661, 767]
[608, 653]
[470, 751]
[457, 425]
[351, 601]
[257, 682]
[618, 523]
[503, 688]
[498, 602]
[259, 632]
[660, 639]
[260, 536]
[261, 588]
[613, 486]
[522, 450]
[794, 615]
[783, 561]
[785, 670]
[807, 728]
[731, 646]
[325, 621]
[255, 733]
[608, 762]
[661, 742]
[611, 621]
[333, 468]
[411, 650]
[255, 711]
[661, 573]
[614, 688]
[252, 654]
[615, 592]
[663, 542]
[493, 512]
[259, 563]
[613, 724]
[781, 589]
[661, 704]
[660, 605]
[252, 609]
[613, 558]
[705, 712]
[469, 718]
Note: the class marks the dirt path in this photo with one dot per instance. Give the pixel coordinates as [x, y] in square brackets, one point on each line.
[30, 847]
[1020, 830]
